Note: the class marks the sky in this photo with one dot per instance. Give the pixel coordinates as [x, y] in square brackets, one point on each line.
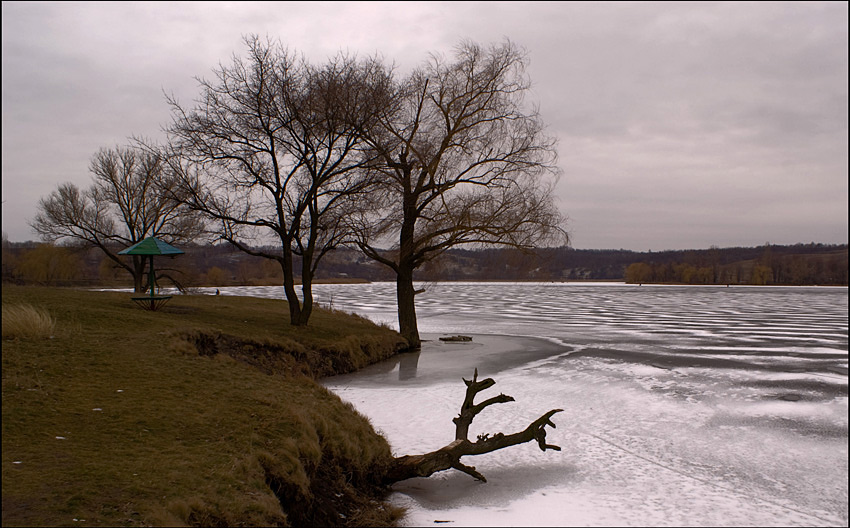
[679, 125]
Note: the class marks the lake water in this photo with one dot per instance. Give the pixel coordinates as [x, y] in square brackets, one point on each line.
[683, 405]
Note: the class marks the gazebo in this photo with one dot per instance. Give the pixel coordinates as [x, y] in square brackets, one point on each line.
[150, 247]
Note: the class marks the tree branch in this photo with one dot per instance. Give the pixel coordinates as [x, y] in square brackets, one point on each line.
[448, 457]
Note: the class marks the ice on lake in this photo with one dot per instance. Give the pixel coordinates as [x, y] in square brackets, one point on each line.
[683, 406]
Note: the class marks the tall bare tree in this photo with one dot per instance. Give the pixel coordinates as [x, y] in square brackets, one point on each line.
[465, 162]
[132, 198]
[272, 152]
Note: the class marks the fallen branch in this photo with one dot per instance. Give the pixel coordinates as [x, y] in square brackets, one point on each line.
[448, 457]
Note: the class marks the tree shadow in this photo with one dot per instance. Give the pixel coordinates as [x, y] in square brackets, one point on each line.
[453, 489]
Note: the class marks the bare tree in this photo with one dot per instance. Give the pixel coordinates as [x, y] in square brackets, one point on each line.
[272, 152]
[132, 198]
[465, 162]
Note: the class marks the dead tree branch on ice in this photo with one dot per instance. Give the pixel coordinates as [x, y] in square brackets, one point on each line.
[448, 457]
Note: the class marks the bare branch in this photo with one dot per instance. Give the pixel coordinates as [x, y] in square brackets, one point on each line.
[448, 457]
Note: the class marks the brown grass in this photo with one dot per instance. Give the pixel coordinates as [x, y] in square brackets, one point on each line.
[122, 420]
[24, 321]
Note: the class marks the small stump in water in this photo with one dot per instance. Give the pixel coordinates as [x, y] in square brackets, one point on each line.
[460, 338]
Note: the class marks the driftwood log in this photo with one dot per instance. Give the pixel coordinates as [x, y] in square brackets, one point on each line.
[448, 457]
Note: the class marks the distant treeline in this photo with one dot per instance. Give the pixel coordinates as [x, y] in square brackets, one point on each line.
[799, 264]
[779, 265]
[222, 265]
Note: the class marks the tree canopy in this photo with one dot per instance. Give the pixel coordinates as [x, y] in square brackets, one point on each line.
[272, 151]
[464, 161]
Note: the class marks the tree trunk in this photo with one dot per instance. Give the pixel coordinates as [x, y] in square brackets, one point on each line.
[306, 292]
[448, 457]
[138, 283]
[307, 270]
[405, 292]
[289, 288]
[138, 274]
[405, 296]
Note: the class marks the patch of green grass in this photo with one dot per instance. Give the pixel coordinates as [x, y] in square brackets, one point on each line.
[119, 420]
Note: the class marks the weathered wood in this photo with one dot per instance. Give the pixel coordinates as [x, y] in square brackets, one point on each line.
[448, 457]
[457, 338]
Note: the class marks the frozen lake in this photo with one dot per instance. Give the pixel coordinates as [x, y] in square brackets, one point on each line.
[683, 405]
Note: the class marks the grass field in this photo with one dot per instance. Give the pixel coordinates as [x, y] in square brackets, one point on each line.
[203, 413]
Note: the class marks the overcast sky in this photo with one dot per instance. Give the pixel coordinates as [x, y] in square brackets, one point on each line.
[680, 125]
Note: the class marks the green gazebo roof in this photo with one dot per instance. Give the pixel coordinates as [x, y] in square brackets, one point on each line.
[151, 246]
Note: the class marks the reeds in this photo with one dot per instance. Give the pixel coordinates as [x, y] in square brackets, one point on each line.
[25, 321]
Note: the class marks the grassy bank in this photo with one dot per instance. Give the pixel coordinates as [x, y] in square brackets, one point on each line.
[204, 413]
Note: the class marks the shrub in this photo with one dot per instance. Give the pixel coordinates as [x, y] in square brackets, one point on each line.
[27, 322]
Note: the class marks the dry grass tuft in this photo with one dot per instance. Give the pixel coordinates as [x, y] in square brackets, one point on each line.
[27, 322]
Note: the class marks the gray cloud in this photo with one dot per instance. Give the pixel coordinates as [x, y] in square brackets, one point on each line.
[680, 125]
